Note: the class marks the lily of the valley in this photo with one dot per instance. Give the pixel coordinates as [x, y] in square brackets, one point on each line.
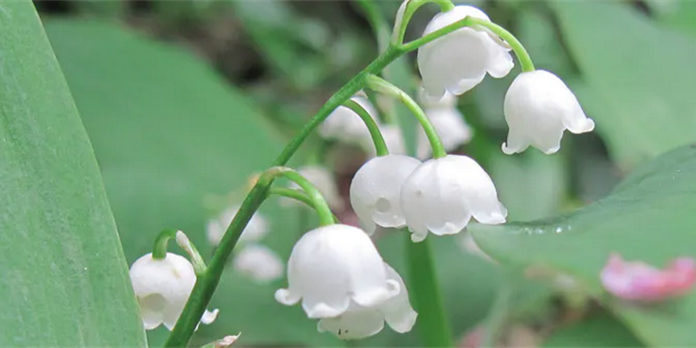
[162, 287]
[376, 188]
[538, 107]
[360, 322]
[443, 194]
[460, 60]
[340, 278]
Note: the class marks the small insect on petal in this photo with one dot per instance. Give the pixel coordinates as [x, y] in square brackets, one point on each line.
[638, 281]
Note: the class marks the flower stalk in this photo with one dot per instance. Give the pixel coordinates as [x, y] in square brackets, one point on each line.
[377, 138]
[383, 86]
[159, 251]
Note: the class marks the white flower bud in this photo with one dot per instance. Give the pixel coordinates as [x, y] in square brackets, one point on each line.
[256, 229]
[443, 194]
[323, 180]
[360, 322]
[259, 263]
[333, 266]
[459, 61]
[162, 288]
[375, 191]
[538, 108]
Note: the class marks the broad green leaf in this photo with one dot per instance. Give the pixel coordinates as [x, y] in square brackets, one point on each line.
[649, 217]
[598, 330]
[642, 73]
[169, 133]
[63, 274]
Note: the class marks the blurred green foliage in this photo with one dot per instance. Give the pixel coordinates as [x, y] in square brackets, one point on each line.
[171, 129]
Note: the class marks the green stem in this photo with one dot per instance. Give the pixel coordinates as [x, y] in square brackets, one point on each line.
[348, 90]
[445, 5]
[318, 202]
[159, 251]
[380, 85]
[375, 133]
[432, 318]
[205, 285]
[296, 195]
[499, 312]
[516, 45]
[292, 194]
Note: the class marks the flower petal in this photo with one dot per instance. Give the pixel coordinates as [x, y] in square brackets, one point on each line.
[354, 324]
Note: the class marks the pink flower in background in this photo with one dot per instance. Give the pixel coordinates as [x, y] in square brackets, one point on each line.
[638, 281]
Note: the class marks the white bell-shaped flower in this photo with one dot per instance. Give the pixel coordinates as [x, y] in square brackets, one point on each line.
[459, 61]
[323, 180]
[376, 188]
[162, 288]
[360, 322]
[256, 229]
[443, 194]
[538, 108]
[449, 125]
[333, 266]
[259, 263]
[344, 125]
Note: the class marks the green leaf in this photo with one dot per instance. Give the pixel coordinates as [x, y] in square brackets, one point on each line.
[649, 217]
[599, 330]
[63, 274]
[641, 72]
[168, 133]
[531, 185]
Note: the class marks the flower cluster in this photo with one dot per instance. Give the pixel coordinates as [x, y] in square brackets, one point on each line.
[335, 271]
[439, 195]
[538, 106]
[341, 280]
